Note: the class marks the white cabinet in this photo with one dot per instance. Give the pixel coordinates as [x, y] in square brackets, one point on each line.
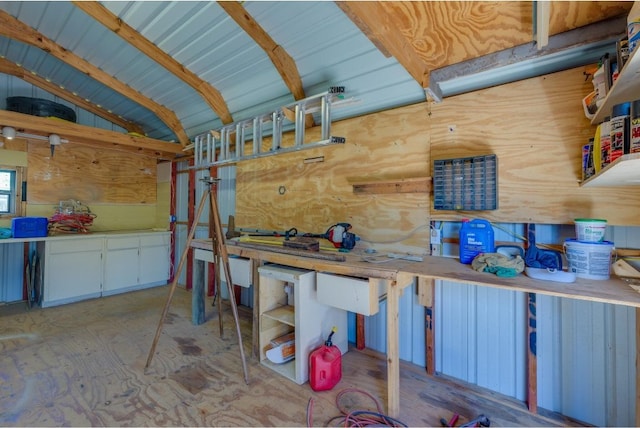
[120, 264]
[299, 312]
[82, 267]
[136, 261]
[72, 270]
[155, 253]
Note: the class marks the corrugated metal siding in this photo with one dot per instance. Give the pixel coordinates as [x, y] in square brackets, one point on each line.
[14, 87]
[586, 360]
[480, 336]
[585, 350]
[11, 274]
[412, 328]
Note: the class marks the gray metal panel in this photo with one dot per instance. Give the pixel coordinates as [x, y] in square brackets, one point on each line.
[480, 336]
[11, 259]
[586, 360]
[411, 321]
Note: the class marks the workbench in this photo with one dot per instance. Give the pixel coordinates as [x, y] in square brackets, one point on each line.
[399, 274]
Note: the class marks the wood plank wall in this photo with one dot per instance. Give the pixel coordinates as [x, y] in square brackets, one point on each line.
[89, 175]
[121, 188]
[536, 127]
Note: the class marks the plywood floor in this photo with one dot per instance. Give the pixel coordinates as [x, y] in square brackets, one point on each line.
[83, 365]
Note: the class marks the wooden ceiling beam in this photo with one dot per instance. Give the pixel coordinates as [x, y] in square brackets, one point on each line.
[282, 61]
[14, 29]
[210, 94]
[374, 22]
[8, 67]
[87, 135]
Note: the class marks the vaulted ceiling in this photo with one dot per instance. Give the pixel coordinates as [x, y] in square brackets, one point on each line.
[171, 70]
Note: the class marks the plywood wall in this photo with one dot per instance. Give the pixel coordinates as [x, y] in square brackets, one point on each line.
[89, 175]
[317, 195]
[536, 127]
[120, 188]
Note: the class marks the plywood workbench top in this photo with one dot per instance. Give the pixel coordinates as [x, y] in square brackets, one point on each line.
[613, 290]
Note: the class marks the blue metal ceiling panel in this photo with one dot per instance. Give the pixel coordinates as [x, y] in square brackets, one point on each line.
[326, 46]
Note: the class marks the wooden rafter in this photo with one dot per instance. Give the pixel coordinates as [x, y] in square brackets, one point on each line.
[12, 28]
[373, 21]
[89, 136]
[283, 62]
[8, 67]
[210, 94]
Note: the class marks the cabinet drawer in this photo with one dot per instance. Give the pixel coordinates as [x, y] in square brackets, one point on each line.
[75, 245]
[122, 243]
[240, 268]
[155, 239]
[240, 272]
[351, 294]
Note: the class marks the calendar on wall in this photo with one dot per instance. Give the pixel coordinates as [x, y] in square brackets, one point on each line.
[467, 184]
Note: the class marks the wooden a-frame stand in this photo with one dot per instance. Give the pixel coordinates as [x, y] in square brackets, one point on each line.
[221, 252]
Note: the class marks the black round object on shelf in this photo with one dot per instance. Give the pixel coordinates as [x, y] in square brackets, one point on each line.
[40, 107]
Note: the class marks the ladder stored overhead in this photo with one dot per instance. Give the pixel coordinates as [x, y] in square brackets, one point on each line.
[229, 144]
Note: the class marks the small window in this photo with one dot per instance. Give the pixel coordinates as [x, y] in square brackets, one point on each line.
[9, 191]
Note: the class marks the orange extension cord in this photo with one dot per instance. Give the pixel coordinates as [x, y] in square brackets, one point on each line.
[357, 418]
[71, 223]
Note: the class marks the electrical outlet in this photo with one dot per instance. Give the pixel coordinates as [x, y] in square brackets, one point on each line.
[435, 237]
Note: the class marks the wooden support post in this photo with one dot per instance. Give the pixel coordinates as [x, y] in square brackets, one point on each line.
[254, 264]
[637, 405]
[172, 212]
[393, 349]
[191, 220]
[197, 293]
[360, 332]
[426, 293]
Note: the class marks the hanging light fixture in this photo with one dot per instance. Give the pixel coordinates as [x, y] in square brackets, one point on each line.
[8, 132]
[54, 140]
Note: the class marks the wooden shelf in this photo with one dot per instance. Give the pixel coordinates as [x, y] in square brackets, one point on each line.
[624, 171]
[399, 185]
[626, 88]
[284, 314]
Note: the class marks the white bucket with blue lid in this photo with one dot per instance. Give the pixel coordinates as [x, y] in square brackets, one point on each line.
[589, 260]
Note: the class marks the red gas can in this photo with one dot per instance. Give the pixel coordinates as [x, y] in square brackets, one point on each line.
[325, 366]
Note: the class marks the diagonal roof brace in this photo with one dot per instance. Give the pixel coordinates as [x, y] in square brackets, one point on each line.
[570, 49]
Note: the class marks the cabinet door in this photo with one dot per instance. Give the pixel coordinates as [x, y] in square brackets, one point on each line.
[121, 264]
[73, 271]
[154, 258]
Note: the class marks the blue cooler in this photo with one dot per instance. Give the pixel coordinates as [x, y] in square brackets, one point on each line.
[29, 227]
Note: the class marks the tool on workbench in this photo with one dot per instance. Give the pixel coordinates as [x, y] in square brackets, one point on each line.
[339, 235]
[221, 252]
[290, 233]
[231, 228]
